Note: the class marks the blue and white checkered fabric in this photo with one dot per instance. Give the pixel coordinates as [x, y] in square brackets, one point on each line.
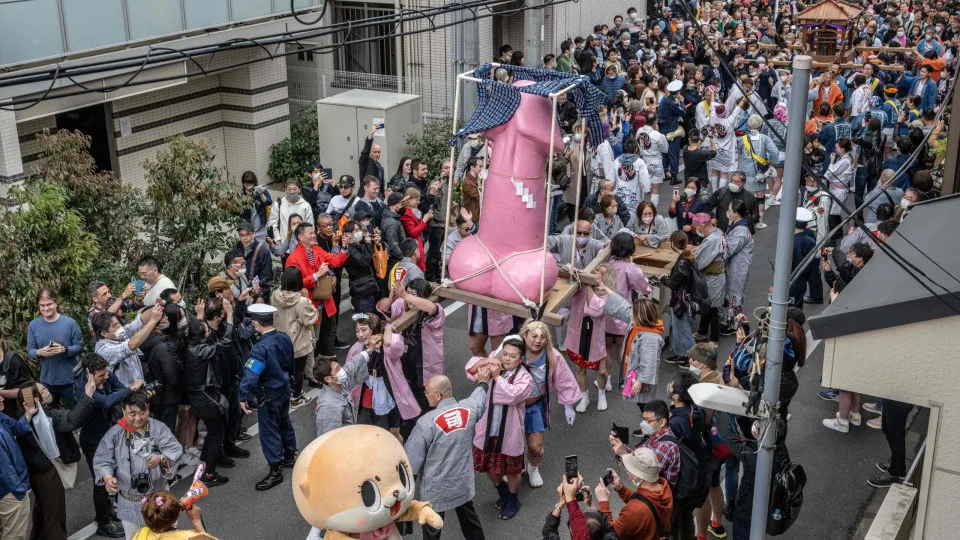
[498, 101]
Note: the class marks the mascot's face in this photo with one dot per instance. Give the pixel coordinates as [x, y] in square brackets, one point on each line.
[354, 479]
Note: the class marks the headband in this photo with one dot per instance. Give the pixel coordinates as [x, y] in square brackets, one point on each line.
[500, 348]
[360, 317]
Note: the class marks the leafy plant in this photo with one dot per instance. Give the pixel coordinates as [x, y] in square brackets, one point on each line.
[44, 245]
[431, 146]
[191, 205]
[290, 157]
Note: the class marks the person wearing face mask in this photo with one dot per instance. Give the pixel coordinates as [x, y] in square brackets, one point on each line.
[688, 426]
[696, 157]
[364, 288]
[738, 258]
[710, 261]
[647, 511]
[757, 157]
[291, 203]
[606, 221]
[839, 175]
[321, 190]
[657, 436]
[930, 42]
[648, 227]
[910, 198]
[813, 199]
[584, 339]
[162, 363]
[119, 345]
[295, 317]
[719, 201]
[722, 125]
[669, 113]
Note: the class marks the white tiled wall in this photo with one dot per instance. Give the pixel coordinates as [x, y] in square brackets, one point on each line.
[10, 162]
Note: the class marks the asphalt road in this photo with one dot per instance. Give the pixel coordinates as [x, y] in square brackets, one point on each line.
[837, 465]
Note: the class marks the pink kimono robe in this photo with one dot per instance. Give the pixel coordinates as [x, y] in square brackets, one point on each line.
[497, 322]
[406, 402]
[585, 331]
[512, 396]
[629, 278]
[431, 338]
[563, 382]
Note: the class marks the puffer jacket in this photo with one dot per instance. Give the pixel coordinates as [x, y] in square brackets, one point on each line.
[295, 317]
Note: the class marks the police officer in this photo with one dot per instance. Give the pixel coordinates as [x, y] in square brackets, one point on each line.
[266, 376]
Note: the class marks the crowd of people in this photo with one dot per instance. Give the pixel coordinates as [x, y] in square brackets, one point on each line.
[696, 99]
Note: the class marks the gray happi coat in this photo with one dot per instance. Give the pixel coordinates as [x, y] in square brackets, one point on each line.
[739, 255]
[113, 457]
[645, 349]
[560, 246]
[440, 450]
[713, 247]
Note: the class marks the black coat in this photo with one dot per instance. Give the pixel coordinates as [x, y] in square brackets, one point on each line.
[720, 200]
[261, 268]
[369, 167]
[162, 364]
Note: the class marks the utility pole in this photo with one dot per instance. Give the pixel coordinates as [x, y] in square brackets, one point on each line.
[533, 33]
[781, 291]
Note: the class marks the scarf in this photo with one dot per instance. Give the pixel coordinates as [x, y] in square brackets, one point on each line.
[632, 335]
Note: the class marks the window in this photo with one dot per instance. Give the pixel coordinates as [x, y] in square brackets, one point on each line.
[378, 56]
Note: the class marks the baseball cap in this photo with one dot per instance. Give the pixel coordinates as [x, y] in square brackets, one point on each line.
[642, 463]
[346, 180]
[245, 226]
[395, 198]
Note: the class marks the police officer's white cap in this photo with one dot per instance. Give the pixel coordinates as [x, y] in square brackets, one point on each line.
[674, 86]
[262, 309]
[804, 215]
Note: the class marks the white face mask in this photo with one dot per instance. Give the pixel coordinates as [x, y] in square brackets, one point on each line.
[690, 192]
[242, 270]
[730, 216]
[700, 233]
[581, 241]
[342, 377]
[735, 187]
[694, 370]
[811, 189]
[646, 428]
[577, 137]
[120, 334]
[905, 203]
[357, 236]
[647, 220]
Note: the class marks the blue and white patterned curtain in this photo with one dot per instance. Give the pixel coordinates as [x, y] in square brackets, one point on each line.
[497, 101]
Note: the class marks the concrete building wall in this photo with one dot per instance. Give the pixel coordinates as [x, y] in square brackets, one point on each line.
[916, 364]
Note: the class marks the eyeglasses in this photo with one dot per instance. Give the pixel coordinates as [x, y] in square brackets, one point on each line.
[581, 233]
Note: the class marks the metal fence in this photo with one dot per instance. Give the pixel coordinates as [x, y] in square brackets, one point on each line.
[308, 84]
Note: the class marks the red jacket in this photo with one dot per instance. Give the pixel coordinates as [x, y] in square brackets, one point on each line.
[414, 229]
[299, 259]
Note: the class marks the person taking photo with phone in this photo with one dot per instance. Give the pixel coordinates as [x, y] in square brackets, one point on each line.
[647, 510]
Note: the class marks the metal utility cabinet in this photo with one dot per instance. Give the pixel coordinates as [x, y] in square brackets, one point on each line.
[345, 120]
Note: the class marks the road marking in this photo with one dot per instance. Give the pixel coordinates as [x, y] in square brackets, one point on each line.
[187, 473]
[452, 307]
[812, 344]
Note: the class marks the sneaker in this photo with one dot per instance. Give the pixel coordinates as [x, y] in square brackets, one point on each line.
[584, 403]
[727, 331]
[771, 202]
[226, 462]
[677, 360]
[236, 452]
[760, 225]
[872, 408]
[717, 530]
[884, 480]
[601, 401]
[110, 530]
[340, 345]
[699, 338]
[808, 300]
[298, 400]
[728, 509]
[854, 418]
[829, 395]
[884, 467]
[244, 436]
[836, 424]
[875, 423]
[214, 479]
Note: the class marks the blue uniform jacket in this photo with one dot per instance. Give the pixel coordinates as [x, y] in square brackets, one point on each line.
[269, 366]
[928, 98]
[669, 114]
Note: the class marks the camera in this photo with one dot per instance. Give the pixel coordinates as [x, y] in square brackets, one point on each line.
[155, 386]
[141, 482]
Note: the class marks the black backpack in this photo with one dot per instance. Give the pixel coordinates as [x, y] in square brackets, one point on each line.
[786, 496]
[693, 483]
[699, 293]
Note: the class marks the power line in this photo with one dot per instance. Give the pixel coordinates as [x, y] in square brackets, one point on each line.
[165, 55]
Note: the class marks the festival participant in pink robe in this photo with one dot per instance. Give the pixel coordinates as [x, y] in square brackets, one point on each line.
[429, 324]
[551, 375]
[586, 346]
[483, 323]
[514, 199]
[387, 370]
[630, 279]
[498, 438]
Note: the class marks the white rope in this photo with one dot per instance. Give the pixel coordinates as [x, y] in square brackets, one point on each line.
[496, 264]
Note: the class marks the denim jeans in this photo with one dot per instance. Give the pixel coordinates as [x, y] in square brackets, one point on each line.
[731, 472]
[554, 212]
[681, 335]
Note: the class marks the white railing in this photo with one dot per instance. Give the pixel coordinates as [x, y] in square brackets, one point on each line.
[308, 84]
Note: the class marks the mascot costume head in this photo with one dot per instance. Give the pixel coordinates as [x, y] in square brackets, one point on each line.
[356, 482]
